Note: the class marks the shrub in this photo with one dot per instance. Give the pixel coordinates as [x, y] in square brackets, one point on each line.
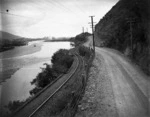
[85, 51]
[61, 62]
[13, 105]
[81, 38]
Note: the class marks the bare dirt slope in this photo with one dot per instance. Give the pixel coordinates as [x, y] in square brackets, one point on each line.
[116, 88]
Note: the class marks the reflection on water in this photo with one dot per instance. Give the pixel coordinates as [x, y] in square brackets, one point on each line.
[18, 86]
[34, 42]
[50, 47]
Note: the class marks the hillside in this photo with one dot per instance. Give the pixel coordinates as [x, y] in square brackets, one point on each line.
[9, 41]
[6, 35]
[125, 28]
[80, 38]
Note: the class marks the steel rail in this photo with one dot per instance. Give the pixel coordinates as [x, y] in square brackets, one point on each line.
[39, 107]
[70, 73]
[43, 90]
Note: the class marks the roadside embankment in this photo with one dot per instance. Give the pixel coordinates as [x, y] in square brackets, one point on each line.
[98, 100]
[116, 88]
[66, 101]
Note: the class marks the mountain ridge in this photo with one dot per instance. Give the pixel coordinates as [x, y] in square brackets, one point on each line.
[6, 35]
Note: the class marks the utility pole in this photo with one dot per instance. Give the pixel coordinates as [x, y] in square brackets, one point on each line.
[93, 31]
[131, 21]
[86, 29]
[83, 29]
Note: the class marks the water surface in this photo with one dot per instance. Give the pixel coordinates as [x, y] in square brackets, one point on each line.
[17, 87]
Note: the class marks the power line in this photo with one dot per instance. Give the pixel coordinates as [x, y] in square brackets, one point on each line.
[83, 29]
[70, 9]
[36, 4]
[13, 14]
[86, 29]
[83, 12]
[66, 8]
[54, 3]
[62, 6]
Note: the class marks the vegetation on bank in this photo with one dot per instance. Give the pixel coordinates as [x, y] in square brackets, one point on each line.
[60, 39]
[13, 105]
[65, 102]
[85, 52]
[80, 39]
[60, 63]
[125, 28]
[9, 41]
[7, 44]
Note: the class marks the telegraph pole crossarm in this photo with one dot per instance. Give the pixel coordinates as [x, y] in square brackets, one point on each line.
[93, 31]
[131, 21]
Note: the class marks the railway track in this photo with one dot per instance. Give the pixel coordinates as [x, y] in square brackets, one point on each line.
[36, 104]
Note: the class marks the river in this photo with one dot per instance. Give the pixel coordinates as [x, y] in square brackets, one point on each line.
[17, 87]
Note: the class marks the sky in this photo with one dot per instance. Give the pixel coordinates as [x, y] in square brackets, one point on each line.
[52, 18]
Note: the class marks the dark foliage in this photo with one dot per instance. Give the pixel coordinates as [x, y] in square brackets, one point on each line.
[13, 105]
[35, 90]
[61, 62]
[115, 29]
[42, 79]
[81, 38]
[6, 44]
[85, 51]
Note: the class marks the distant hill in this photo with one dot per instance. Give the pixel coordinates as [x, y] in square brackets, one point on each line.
[9, 41]
[6, 35]
[115, 28]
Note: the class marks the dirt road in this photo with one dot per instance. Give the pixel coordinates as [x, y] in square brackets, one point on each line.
[129, 84]
[120, 87]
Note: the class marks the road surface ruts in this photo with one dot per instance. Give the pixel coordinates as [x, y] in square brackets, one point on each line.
[130, 87]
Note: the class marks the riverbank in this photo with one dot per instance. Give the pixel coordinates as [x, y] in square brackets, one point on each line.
[20, 51]
[10, 66]
[18, 72]
[10, 61]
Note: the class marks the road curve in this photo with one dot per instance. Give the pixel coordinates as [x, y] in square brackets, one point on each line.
[129, 84]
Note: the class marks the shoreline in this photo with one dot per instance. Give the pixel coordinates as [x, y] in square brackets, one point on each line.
[21, 51]
[8, 72]
[10, 61]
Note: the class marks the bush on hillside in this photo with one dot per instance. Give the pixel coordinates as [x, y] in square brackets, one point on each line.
[61, 62]
[6, 44]
[85, 51]
[81, 38]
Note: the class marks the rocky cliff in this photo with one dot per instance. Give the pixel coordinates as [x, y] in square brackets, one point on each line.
[126, 28]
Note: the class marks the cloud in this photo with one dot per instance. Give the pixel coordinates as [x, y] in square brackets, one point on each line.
[55, 17]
